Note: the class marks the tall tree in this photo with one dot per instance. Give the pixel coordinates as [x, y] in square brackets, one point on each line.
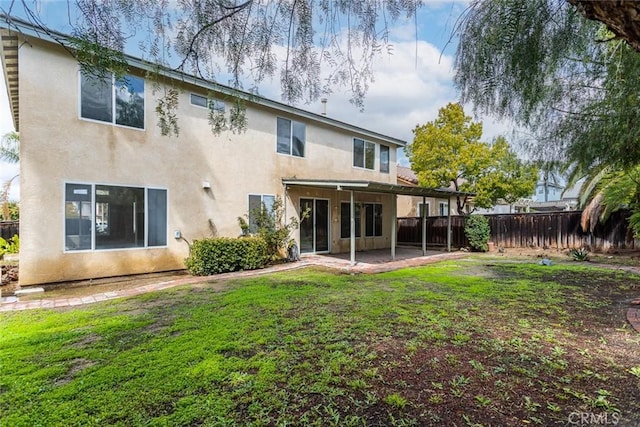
[565, 78]
[622, 17]
[448, 152]
[570, 81]
[513, 179]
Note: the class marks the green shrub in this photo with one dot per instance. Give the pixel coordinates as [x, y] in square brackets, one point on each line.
[478, 232]
[9, 247]
[221, 255]
[271, 226]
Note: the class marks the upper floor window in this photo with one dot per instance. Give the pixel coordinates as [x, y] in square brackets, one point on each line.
[364, 154]
[384, 159]
[291, 136]
[209, 103]
[111, 100]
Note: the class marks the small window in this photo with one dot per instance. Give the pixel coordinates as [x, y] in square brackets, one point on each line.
[345, 220]
[384, 159]
[364, 154]
[444, 209]
[258, 202]
[116, 101]
[423, 207]
[122, 217]
[204, 102]
[373, 219]
[291, 137]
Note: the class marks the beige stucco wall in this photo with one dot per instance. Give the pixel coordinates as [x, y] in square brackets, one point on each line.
[335, 198]
[58, 147]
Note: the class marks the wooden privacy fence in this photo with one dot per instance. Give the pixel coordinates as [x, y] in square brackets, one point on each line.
[543, 230]
[410, 231]
[9, 228]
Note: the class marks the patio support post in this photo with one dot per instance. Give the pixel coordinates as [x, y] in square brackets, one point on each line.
[394, 225]
[424, 226]
[352, 226]
[449, 225]
[284, 200]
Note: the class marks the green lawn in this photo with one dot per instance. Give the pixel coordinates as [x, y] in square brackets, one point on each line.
[468, 342]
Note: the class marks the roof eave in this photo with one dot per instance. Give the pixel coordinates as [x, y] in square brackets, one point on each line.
[9, 58]
[374, 187]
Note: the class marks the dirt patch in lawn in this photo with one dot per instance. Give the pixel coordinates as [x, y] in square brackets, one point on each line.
[519, 371]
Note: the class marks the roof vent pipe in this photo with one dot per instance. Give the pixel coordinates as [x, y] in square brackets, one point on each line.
[324, 106]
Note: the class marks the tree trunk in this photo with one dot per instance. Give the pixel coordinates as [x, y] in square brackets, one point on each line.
[622, 17]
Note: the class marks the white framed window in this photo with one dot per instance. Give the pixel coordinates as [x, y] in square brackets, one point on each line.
[384, 159]
[258, 202]
[443, 208]
[423, 207]
[364, 154]
[290, 137]
[99, 217]
[110, 100]
[208, 103]
[372, 219]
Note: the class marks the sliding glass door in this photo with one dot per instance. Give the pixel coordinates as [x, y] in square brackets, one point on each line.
[314, 229]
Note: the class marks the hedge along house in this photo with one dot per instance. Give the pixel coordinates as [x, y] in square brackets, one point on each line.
[104, 193]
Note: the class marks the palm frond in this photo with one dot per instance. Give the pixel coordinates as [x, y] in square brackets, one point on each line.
[10, 147]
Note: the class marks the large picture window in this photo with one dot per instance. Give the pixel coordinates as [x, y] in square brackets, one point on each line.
[114, 217]
[364, 154]
[291, 137]
[111, 100]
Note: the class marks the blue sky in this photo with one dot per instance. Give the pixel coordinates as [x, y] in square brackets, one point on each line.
[410, 85]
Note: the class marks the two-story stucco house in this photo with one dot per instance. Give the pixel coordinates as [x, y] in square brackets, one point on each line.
[104, 193]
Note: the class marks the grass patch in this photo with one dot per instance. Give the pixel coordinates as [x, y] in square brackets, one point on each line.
[460, 342]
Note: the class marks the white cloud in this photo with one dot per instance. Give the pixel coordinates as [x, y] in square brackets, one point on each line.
[410, 85]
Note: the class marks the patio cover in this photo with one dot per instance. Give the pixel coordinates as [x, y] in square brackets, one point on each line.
[381, 187]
